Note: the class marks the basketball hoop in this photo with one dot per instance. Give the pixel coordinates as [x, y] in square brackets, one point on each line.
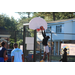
[39, 30]
[37, 22]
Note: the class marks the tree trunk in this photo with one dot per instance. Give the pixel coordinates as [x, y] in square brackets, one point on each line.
[54, 16]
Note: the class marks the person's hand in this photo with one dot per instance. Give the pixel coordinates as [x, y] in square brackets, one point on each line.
[6, 58]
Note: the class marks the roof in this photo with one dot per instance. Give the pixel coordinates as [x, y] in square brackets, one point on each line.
[3, 31]
[26, 24]
[60, 20]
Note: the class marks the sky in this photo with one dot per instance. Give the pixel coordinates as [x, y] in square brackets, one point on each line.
[10, 14]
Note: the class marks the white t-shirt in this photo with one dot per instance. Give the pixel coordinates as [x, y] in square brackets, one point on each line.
[17, 53]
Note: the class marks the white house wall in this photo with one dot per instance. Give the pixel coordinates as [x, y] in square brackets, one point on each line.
[68, 27]
[56, 36]
[73, 30]
[53, 29]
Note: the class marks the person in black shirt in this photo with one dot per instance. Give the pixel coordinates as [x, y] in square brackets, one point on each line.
[3, 51]
[44, 42]
[64, 59]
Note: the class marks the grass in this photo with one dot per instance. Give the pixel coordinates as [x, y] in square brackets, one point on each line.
[58, 57]
[55, 58]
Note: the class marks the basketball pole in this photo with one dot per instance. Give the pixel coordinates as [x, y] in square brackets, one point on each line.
[34, 57]
[24, 46]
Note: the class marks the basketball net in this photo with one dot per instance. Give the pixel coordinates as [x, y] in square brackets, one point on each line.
[39, 30]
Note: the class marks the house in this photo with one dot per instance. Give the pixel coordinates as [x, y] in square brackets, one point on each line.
[63, 31]
[4, 36]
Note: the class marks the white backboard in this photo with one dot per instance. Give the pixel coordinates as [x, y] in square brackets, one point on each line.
[37, 22]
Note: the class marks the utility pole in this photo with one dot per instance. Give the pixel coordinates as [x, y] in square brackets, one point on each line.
[24, 45]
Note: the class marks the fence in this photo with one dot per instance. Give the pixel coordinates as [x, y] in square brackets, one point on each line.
[55, 43]
[17, 36]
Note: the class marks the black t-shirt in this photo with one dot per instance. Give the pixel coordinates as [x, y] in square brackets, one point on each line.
[65, 57]
[2, 51]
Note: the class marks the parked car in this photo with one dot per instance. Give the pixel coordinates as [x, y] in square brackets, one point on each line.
[29, 57]
[9, 55]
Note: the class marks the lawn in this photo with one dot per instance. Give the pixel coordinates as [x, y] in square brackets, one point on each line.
[58, 57]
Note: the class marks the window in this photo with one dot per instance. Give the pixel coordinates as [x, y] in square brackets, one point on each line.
[58, 29]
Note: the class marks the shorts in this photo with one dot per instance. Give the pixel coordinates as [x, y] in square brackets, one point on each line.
[1, 59]
[46, 49]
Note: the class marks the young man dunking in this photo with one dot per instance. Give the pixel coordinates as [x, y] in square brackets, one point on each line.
[44, 42]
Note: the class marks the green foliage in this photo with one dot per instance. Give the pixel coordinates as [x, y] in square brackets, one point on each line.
[48, 16]
[32, 33]
[20, 42]
[10, 25]
[11, 42]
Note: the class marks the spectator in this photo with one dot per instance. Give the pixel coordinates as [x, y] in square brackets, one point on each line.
[3, 51]
[64, 59]
[17, 54]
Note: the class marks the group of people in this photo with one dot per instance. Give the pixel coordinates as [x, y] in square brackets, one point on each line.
[17, 54]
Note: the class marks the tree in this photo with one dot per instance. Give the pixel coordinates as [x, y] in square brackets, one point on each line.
[22, 14]
[50, 16]
[54, 16]
[9, 24]
[1, 20]
[45, 15]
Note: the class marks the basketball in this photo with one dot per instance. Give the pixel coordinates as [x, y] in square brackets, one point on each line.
[6, 58]
[41, 28]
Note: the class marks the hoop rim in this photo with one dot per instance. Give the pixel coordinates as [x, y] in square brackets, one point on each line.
[39, 29]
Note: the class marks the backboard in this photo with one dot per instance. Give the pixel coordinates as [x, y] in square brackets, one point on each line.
[37, 22]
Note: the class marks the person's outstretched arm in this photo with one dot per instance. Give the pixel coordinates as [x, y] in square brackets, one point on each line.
[44, 34]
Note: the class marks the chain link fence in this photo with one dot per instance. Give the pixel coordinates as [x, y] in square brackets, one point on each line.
[17, 36]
